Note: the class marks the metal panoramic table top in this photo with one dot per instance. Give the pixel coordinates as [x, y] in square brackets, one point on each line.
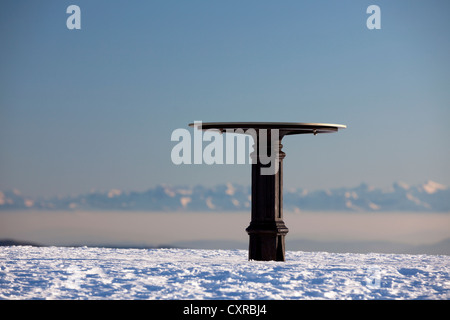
[286, 128]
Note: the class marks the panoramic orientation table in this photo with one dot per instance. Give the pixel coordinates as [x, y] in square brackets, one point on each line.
[267, 229]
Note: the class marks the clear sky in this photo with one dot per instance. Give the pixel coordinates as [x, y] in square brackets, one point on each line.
[95, 108]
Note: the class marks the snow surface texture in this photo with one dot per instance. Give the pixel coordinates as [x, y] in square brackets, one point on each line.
[98, 273]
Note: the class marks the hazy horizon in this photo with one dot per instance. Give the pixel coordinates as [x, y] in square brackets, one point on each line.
[169, 228]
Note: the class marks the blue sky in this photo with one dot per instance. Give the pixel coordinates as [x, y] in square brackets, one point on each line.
[95, 108]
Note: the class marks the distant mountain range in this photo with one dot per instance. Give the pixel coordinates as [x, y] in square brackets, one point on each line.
[430, 196]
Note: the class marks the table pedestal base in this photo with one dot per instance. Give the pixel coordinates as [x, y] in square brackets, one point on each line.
[267, 241]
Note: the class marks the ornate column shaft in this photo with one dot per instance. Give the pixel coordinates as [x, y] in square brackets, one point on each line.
[267, 229]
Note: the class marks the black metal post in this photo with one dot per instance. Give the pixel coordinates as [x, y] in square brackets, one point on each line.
[267, 229]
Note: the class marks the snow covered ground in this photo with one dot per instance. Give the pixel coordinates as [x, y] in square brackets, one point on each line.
[99, 273]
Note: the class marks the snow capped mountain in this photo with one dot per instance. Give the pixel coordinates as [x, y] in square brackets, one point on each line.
[430, 196]
[432, 187]
[14, 200]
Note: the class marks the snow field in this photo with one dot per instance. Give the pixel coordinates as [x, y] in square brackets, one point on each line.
[101, 273]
